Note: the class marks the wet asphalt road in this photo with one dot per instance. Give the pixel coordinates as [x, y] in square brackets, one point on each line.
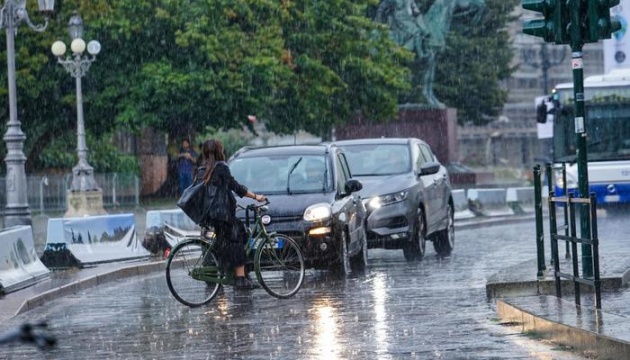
[435, 309]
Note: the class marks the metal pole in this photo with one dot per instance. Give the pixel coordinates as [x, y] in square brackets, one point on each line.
[83, 173]
[16, 211]
[540, 235]
[580, 132]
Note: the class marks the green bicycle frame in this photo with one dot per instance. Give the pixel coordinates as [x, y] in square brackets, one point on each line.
[213, 274]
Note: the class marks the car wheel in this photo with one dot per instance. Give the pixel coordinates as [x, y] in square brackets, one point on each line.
[414, 250]
[360, 261]
[444, 241]
[342, 265]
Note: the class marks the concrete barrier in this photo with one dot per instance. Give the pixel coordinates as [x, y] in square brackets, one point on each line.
[170, 225]
[521, 199]
[488, 202]
[19, 265]
[72, 242]
[460, 204]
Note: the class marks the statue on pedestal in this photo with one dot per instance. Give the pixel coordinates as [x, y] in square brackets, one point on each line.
[425, 35]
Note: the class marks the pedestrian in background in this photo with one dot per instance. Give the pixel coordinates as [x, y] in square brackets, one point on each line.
[185, 165]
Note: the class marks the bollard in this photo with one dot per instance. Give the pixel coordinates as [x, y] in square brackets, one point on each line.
[540, 236]
[136, 183]
[114, 202]
[42, 182]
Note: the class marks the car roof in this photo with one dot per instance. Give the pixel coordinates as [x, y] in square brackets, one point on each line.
[375, 141]
[319, 149]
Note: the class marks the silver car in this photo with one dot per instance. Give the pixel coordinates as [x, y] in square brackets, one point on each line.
[407, 194]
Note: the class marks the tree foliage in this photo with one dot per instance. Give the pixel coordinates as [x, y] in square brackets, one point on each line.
[181, 66]
[476, 59]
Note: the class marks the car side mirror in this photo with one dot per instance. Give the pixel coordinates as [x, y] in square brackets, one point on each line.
[429, 168]
[352, 185]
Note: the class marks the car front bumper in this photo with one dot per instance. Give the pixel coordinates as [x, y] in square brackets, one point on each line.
[388, 226]
[319, 251]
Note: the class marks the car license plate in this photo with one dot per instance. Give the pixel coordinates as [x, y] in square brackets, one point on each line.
[611, 198]
[278, 244]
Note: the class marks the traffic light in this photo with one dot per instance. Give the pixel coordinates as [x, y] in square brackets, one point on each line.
[553, 26]
[600, 25]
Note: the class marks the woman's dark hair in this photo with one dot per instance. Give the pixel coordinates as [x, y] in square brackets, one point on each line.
[211, 153]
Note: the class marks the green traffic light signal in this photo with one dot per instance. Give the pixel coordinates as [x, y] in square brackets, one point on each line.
[553, 27]
[600, 25]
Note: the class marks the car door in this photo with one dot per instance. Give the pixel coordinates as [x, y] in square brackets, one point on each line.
[429, 185]
[441, 188]
[349, 205]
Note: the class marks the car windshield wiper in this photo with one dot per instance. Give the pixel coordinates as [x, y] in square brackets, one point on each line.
[325, 182]
[295, 164]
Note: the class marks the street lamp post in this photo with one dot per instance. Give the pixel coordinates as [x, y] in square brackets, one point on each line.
[85, 196]
[16, 211]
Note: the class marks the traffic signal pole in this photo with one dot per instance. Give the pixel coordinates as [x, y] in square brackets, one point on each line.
[575, 22]
[576, 42]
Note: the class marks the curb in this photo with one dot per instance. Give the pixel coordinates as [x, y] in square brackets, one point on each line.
[92, 281]
[503, 284]
[587, 330]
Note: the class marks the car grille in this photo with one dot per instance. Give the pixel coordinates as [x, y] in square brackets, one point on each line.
[395, 222]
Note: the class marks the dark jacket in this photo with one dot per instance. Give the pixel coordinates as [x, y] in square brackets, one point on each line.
[222, 185]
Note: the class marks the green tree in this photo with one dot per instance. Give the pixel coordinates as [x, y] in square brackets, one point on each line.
[475, 61]
[343, 65]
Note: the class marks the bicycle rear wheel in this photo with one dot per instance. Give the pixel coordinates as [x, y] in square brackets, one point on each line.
[279, 266]
[190, 263]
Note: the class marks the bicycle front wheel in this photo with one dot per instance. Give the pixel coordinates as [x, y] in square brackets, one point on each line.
[279, 266]
[188, 268]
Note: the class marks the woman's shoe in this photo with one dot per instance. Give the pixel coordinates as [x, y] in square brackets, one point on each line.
[243, 283]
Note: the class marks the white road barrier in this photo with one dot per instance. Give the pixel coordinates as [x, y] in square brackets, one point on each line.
[488, 202]
[92, 240]
[521, 199]
[171, 225]
[19, 265]
[460, 203]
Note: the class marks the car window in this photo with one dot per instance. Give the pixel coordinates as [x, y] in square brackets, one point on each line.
[426, 151]
[281, 173]
[422, 159]
[343, 173]
[378, 159]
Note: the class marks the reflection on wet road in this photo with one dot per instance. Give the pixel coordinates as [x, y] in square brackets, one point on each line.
[435, 309]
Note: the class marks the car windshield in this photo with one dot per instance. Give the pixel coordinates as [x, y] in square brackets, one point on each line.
[377, 159]
[282, 174]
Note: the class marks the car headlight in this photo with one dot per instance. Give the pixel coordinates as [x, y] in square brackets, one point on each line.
[317, 212]
[378, 201]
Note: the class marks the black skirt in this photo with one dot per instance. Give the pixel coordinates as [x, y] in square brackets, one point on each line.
[231, 238]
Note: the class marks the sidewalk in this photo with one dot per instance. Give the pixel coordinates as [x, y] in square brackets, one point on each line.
[529, 303]
[66, 282]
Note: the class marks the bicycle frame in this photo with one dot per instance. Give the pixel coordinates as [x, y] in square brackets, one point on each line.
[275, 259]
[257, 234]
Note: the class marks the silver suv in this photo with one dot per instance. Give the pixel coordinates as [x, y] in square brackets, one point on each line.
[407, 194]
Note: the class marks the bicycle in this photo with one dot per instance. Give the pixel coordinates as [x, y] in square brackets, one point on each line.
[194, 275]
[28, 333]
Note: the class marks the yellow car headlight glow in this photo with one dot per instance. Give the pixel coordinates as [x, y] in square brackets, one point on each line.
[378, 201]
[317, 212]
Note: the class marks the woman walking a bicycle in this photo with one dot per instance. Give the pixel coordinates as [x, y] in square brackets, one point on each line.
[230, 231]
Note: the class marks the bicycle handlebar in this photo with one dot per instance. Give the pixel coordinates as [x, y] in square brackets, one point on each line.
[254, 206]
[27, 333]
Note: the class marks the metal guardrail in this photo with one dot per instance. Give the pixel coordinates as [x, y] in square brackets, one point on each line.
[568, 227]
[590, 240]
[49, 192]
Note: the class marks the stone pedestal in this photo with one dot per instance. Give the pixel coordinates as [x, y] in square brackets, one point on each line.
[84, 203]
[437, 127]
